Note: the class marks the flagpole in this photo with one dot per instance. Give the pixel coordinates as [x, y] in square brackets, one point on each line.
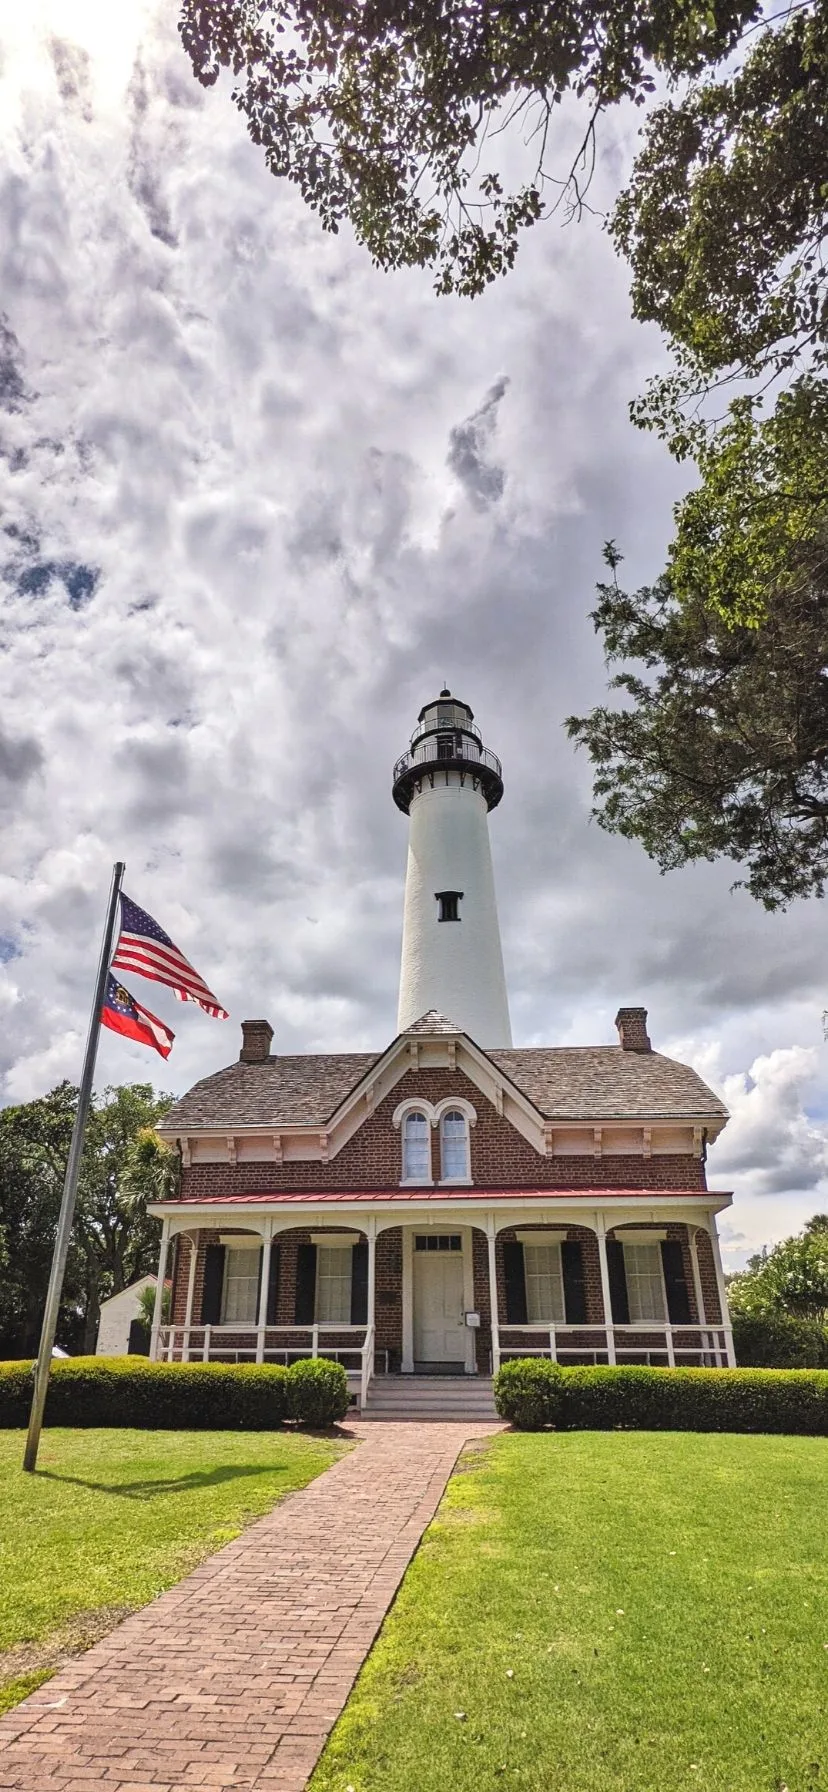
[70, 1185]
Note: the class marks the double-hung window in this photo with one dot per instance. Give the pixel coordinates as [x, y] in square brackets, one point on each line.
[416, 1148]
[645, 1282]
[241, 1284]
[544, 1284]
[454, 1147]
[334, 1266]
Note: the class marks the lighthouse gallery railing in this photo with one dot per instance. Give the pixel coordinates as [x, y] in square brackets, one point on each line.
[430, 752]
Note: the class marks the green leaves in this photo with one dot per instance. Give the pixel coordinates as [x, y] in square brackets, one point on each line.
[761, 510]
[725, 214]
[386, 113]
[791, 1279]
[720, 747]
[113, 1239]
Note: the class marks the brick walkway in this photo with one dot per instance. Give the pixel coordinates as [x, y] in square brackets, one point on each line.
[234, 1677]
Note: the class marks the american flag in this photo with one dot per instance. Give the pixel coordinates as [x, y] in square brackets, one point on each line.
[144, 947]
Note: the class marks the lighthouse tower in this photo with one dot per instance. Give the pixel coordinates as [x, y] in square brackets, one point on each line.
[451, 955]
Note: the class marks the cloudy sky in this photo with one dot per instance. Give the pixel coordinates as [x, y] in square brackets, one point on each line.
[259, 502]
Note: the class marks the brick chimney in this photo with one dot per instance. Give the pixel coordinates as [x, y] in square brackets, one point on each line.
[632, 1030]
[256, 1037]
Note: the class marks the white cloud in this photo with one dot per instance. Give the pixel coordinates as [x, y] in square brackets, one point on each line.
[770, 1142]
[773, 1153]
[241, 561]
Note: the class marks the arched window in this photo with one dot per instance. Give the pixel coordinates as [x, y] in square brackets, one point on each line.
[454, 1146]
[416, 1148]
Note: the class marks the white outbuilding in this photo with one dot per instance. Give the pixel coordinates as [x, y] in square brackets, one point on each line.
[117, 1315]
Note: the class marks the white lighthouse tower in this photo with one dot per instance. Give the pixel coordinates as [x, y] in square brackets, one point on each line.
[451, 954]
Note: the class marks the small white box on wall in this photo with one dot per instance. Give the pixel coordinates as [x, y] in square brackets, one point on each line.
[472, 1320]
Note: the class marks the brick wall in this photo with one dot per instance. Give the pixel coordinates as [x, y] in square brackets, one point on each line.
[500, 1156]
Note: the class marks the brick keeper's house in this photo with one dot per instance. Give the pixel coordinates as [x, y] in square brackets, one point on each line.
[424, 1212]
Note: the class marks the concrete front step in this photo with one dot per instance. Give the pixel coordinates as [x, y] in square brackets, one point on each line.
[430, 1397]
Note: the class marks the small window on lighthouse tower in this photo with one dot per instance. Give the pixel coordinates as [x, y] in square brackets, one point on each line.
[447, 904]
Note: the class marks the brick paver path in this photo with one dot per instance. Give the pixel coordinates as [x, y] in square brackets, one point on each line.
[234, 1677]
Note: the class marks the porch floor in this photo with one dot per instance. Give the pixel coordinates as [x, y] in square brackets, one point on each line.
[235, 1676]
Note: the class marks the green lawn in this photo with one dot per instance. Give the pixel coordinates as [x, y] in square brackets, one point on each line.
[113, 1517]
[606, 1612]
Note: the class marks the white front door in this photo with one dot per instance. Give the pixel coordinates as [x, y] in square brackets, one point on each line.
[440, 1333]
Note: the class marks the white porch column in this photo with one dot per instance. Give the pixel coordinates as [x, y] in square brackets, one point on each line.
[371, 1235]
[697, 1289]
[491, 1239]
[407, 1365]
[600, 1229]
[720, 1283]
[694, 1264]
[159, 1288]
[188, 1311]
[369, 1345]
[264, 1284]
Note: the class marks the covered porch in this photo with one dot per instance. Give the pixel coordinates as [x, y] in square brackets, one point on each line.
[452, 1287]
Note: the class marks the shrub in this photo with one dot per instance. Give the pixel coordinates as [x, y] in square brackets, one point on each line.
[164, 1396]
[122, 1390]
[779, 1341]
[643, 1399]
[528, 1391]
[317, 1392]
[781, 1400]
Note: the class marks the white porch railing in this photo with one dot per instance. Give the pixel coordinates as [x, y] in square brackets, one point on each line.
[709, 1345]
[237, 1342]
[367, 1367]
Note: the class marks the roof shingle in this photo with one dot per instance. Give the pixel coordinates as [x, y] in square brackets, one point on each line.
[603, 1082]
[591, 1083]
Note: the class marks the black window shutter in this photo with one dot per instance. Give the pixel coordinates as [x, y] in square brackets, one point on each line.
[305, 1284]
[572, 1263]
[213, 1284]
[515, 1279]
[619, 1299]
[359, 1283]
[273, 1286]
[675, 1282]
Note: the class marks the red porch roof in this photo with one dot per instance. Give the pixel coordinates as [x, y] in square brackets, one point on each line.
[363, 1197]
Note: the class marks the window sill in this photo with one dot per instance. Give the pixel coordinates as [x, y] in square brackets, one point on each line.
[417, 1182]
[456, 1182]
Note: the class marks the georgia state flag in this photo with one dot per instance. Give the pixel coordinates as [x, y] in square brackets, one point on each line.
[123, 1014]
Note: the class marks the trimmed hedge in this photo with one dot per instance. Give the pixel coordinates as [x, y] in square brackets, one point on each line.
[779, 1341]
[643, 1399]
[96, 1390]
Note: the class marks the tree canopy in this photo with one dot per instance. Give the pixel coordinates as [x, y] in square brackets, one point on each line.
[113, 1239]
[393, 114]
[790, 1279]
[724, 219]
[719, 746]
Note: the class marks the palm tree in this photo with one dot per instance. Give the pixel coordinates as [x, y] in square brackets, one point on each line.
[152, 1172]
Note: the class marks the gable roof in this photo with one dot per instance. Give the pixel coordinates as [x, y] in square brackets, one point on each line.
[592, 1083]
[433, 1022]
